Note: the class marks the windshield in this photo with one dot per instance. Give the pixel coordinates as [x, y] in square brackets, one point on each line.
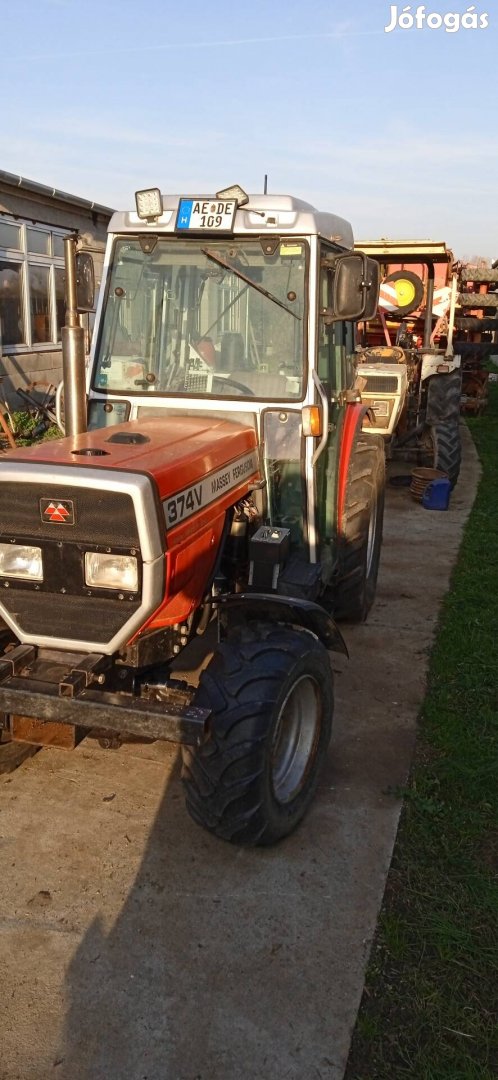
[215, 318]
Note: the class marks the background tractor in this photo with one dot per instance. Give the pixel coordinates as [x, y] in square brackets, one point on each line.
[409, 370]
[214, 493]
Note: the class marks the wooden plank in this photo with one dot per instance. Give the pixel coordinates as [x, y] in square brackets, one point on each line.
[25, 729]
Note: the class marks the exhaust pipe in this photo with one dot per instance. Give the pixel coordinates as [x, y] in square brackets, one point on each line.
[73, 350]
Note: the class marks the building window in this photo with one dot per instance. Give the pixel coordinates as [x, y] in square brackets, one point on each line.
[60, 300]
[10, 235]
[11, 302]
[39, 300]
[31, 286]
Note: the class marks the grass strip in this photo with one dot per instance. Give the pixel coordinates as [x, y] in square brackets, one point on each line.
[430, 1006]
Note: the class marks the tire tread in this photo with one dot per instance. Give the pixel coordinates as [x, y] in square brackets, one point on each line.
[224, 776]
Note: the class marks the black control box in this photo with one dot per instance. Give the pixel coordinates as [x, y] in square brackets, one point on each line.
[268, 553]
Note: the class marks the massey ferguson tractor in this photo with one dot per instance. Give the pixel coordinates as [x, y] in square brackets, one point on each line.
[409, 368]
[214, 486]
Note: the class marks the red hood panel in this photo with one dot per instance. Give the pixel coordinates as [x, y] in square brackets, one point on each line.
[179, 449]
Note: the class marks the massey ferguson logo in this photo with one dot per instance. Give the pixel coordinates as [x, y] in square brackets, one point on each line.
[57, 513]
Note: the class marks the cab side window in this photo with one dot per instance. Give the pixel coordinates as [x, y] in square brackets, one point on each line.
[336, 345]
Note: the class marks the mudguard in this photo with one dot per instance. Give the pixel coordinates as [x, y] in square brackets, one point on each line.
[353, 421]
[285, 609]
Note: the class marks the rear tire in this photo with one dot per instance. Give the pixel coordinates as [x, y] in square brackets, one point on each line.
[442, 449]
[254, 776]
[360, 543]
[443, 424]
[443, 397]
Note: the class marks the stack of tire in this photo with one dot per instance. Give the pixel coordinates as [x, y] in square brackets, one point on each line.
[471, 326]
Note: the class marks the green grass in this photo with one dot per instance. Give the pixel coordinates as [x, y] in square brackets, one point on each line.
[430, 1006]
[29, 430]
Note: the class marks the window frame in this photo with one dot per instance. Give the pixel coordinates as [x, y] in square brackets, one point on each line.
[196, 241]
[332, 364]
[26, 259]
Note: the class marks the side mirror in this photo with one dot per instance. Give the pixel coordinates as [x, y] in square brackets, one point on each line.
[85, 282]
[373, 285]
[355, 289]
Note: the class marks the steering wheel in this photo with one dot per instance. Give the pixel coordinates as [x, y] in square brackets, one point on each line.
[233, 382]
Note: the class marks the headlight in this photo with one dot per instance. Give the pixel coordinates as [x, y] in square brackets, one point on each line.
[21, 561]
[104, 571]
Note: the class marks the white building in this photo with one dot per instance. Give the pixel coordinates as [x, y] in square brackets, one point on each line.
[34, 219]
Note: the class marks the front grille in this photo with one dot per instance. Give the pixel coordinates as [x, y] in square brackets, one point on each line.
[381, 384]
[101, 517]
[77, 618]
[62, 607]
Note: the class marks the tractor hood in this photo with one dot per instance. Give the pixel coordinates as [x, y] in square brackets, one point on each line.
[152, 494]
[175, 451]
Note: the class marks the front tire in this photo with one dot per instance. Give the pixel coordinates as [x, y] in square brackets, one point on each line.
[254, 776]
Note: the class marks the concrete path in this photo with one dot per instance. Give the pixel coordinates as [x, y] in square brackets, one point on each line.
[133, 946]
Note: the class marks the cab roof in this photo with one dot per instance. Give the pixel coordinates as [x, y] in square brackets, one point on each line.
[406, 251]
[282, 214]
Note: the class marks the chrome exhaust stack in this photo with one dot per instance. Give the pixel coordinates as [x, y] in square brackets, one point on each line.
[73, 349]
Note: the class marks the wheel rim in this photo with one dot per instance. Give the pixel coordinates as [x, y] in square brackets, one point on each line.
[405, 292]
[295, 738]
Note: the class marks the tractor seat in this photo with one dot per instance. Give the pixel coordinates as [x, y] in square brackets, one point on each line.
[232, 352]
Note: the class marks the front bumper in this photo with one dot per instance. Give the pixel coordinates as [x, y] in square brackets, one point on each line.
[70, 699]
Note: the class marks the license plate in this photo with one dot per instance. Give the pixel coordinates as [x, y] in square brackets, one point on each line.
[206, 215]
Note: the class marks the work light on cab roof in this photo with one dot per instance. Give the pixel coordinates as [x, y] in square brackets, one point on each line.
[149, 204]
[150, 201]
[234, 192]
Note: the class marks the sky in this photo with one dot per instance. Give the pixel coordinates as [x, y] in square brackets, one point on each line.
[397, 131]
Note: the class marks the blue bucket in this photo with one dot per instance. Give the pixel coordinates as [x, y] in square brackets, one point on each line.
[437, 495]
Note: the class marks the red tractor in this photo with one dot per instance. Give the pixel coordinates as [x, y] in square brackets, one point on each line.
[214, 486]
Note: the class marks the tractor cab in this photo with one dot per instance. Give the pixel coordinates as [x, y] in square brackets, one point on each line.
[241, 307]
